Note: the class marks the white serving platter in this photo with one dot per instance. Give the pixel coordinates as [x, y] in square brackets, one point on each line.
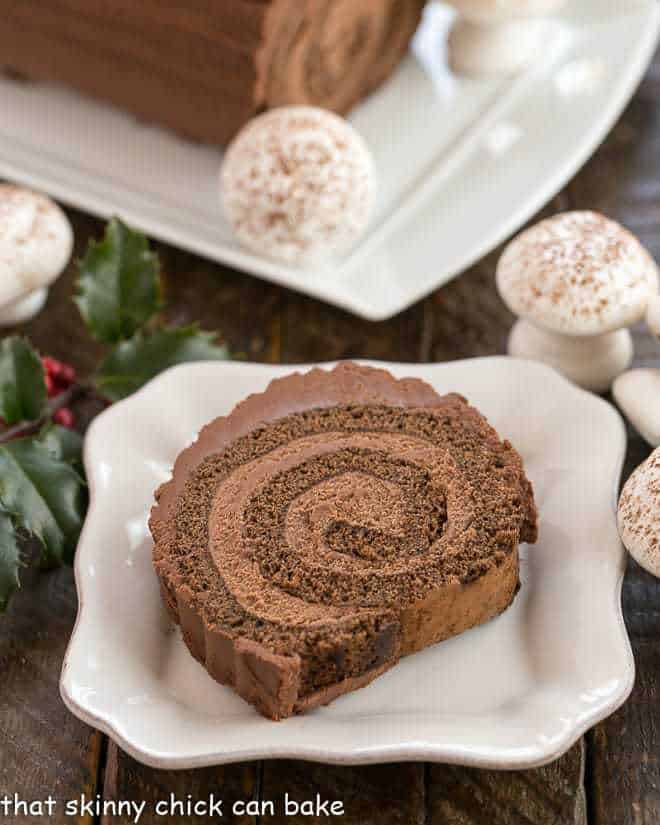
[516, 692]
[462, 163]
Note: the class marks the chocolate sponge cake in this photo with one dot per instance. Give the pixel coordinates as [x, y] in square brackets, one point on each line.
[333, 524]
[205, 67]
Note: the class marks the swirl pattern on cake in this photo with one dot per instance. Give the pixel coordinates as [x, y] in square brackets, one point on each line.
[333, 524]
[337, 52]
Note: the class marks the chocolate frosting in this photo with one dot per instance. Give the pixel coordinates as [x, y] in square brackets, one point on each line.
[331, 525]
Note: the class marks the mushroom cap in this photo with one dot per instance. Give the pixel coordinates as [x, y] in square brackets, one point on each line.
[298, 183]
[578, 273]
[36, 242]
[639, 514]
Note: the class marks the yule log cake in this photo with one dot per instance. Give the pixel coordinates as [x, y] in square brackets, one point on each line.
[205, 67]
[333, 524]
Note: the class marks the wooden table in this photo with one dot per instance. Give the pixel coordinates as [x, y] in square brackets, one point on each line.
[612, 777]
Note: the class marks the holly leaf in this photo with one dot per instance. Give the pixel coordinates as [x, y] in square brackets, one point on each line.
[119, 284]
[63, 444]
[134, 362]
[22, 382]
[10, 561]
[44, 495]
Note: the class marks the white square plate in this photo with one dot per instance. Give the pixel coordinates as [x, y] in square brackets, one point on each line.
[515, 692]
[462, 163]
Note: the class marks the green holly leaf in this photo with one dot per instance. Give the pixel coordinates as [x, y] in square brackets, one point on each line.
[10, 561]
[134, 362]
[44, 495]
[22, 382]
[63, 444]
[119, 284]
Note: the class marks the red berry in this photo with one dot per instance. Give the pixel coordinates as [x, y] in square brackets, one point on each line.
[64, 417]
[50, 365]
[62, 374]
[51, 389]
[67, 374]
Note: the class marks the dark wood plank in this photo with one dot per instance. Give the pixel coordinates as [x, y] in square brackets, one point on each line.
[625, 749]
[467, 318]
[244, 310]
[44, 750]
[311, 331]
[623, 768]
[372, 795]
[126, 780]
[553, 795]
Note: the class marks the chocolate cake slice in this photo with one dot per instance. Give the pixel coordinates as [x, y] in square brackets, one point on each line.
[333, 524]
[205, 67]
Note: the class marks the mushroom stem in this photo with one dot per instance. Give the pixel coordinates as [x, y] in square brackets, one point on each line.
[23, 309]
[653, 316]
[637, 392]
[495, 47]
[590, 361]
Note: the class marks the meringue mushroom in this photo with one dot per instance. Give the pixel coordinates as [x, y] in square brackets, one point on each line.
[639, 514]
[577, 281]
[497, 37]
[36, 242]
[298, 184]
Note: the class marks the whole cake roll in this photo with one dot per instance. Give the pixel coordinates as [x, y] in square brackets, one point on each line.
[205, 67]
[333, 524]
